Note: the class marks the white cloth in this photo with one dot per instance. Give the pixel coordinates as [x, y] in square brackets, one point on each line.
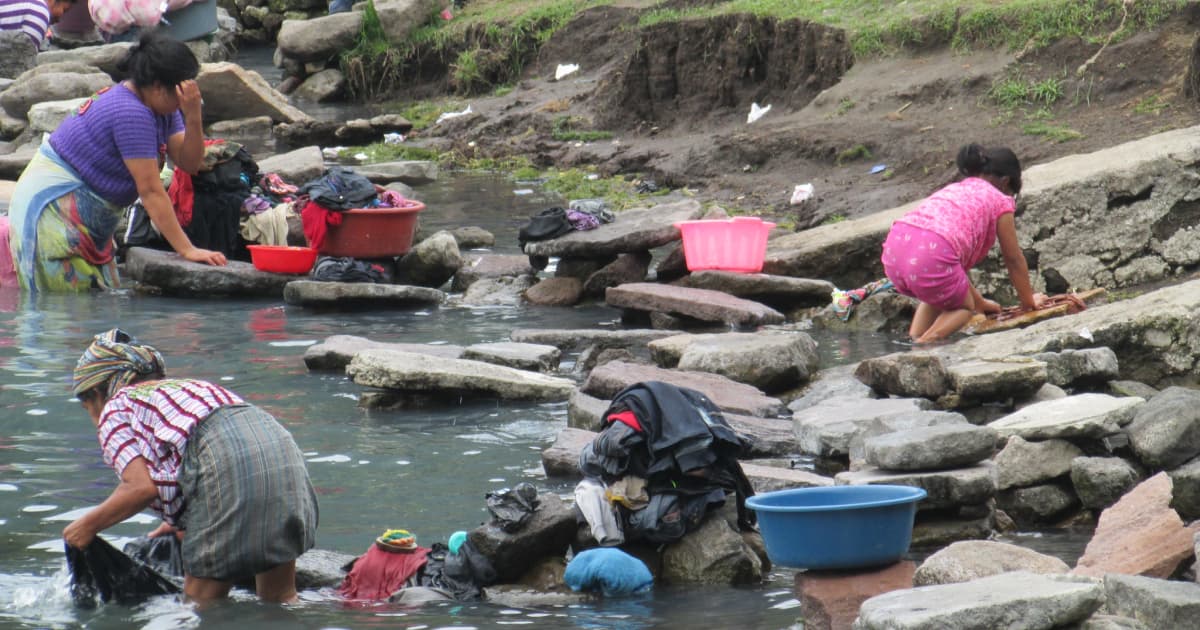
[269, 227]
[599, 513]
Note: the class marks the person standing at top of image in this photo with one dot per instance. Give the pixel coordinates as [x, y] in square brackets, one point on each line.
[68, 200]
[32, 17]
[930, 249]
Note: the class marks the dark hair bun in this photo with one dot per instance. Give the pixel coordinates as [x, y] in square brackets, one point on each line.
[159, 58]
[971, 159]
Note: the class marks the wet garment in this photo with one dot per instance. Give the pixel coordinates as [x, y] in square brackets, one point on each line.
[61, 231]
[340, 189]
[964, 214]
[331, 269]
[249, 503]
[610, 571]
[922, 265]
[845, 302]
[378, 573]
[100, 573]
[316, 220]
[592, 501]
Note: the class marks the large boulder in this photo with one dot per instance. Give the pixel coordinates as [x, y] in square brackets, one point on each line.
[1082, 415]
[636, 230]
[411, 172]
[930, 448]
[321, 568]
[1040, 504]
[506, 291]
[626, 269]
[608, 379]
[432, 262]
[46, 116]
[969, 560]
[905, 374]
[1139, 535]
[554, 292]
[319, 39]
[336, 352]
[1185, 492]
[351, 294]
[106, 57]
[412, 372]
[1089, 366]
[699, 304]
[827, 384]
[561, 459]
[298, 166]
[996, 380]
[764, 437]
[713, 554]
[241, 93]
[1165, 431]
[326, 85]
[831, 599]
[901, 423]
[477, 266]
[400, 18]
[53, 86]
[768, 477]
[1155, 603]
[586, 412]
[172, 274]
[1024, 463]
[769, 361]
[1100, 481]
[547, 533]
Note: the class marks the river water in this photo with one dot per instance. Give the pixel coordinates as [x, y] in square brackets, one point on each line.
[426, 470]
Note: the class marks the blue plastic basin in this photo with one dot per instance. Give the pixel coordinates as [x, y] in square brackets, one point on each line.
[837, 527]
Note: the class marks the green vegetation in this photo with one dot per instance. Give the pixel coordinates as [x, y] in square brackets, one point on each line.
[1013, 92]
[844, 106]
[380, 152]
[1153, 104]
[1051, 132]
[565, 129]
[424, 113]
[833, 218]
[854, 153]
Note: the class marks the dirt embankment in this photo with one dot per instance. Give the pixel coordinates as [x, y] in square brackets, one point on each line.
[675, 97]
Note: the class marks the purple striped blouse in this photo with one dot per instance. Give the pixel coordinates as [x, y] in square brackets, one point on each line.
[153, 420]
[31, 17]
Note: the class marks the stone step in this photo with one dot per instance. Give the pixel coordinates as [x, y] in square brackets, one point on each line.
[175, 276]
[701, 304]
[1079, 416]
[336, 352]
[358, 294]
[412, 372]
[608, 379]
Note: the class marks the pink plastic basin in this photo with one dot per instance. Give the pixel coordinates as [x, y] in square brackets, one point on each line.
[737, 244]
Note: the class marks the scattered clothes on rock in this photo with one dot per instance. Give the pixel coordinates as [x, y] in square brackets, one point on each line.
[844, 302]
[462, 573]
[393, 199]
[582, 221]
[274, 185]
[340, 189]
[101, 573]
[547, 224]
[610, 571]
[511, 508]
[330, 269]
[646, 187]
[598, 208]
[377, 574]
[592, 501]
[269, 227]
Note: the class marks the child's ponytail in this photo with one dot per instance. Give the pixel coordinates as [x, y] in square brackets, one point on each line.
[974, 160]
[971, 160]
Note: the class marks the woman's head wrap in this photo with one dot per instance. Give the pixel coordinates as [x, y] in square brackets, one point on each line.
[115, 360]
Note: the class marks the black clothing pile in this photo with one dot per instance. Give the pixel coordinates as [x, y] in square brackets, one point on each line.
[461, 574]
[101, 573]
[340, 189]
[217, 204]
[331, 269]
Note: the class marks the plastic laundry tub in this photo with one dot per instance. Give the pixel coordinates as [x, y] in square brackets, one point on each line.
[837, 527]
[192, 21]
[737, 244]
[373, 232]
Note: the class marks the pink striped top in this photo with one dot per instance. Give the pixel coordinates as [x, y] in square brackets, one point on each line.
[153, 420]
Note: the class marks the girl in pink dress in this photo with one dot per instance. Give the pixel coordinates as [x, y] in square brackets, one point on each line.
[930, 249]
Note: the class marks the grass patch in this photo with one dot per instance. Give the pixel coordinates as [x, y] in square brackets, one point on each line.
[380, 152]
[1012, 92]
[566, 129]
[423, 114]
[1054, 133]
[1153, 104]
[853, 154]
[845, 105]
[833, 218]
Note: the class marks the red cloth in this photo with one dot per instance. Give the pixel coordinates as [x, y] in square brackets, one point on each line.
[183, 196]
[378, 573]
[626, 417]
[315, 217]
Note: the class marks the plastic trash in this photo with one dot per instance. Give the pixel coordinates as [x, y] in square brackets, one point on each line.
[565, 69]
[1086, 334]
[393, 138]
[523, 191]
[452, 115]
[512, 508]
[878, 168]
[361, 157]
[802, 193]
[456, 541]
[332, 153]
[756, 112]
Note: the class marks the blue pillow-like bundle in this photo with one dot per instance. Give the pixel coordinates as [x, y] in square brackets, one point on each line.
[608, 570]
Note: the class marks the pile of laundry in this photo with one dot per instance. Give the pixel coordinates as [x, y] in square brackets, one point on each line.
[580, 214]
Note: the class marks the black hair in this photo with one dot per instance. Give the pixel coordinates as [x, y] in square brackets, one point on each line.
[975, 160]
[159, 58]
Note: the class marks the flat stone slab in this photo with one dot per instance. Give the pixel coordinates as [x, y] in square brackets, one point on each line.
[562, 458]
[490, 266]
[1155, 603]
[1017, 601]
[522, 356]
[946, 488]
[585, 412]
[577, 339]
[764, 437]
[827, 429]
[413, 372]
[608, 379]
[174, 275]
[770, 478]
[996, 380]
[902, 422]
[336, 352]
[411, 172]
[314, 293]
[762, 287]
[930, 448]
[701, 304]
[632, 231]
[1082, 415]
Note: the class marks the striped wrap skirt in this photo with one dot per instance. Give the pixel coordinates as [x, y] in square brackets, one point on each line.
[249, 503]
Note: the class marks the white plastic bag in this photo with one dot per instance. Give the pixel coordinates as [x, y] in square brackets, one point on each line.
[756, 112]
[564, 69]
[802, 193]
[451, 115]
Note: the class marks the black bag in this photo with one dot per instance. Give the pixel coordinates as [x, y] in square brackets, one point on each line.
[510, 509]
[100, 573]
[547, 224]
[161, 553]
[139, 231]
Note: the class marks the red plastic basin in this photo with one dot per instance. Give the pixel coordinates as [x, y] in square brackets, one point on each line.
[373, 232]
[282, 259]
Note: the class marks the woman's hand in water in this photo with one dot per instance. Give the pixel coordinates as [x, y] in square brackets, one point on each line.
[78, 534]
[206, 256]
[987, 306]
[190, 102]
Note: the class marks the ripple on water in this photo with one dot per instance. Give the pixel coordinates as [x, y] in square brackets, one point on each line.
[331, 459]
[36, 508]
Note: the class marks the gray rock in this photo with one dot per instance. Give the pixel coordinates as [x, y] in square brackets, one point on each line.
[1090, 366]
[401, 17]
[580, 268]
[1082, 415]
[882, 312]
[46, 116]
[432, 262]
[831, 384]
[577, 339]
[1155, 603]
[322, 87]
[13, 164]
[244, 94]
[336, 352]
[1100, 481]
[827, 429]
[522, 356]
[522, 597]
[608, 379]
[1024, 463]
[475, 267]
[562, 458]
[1044, 393]
[319, 39]
[176, 276]
[1131, 388]
[547, 533]
[17, 54]
[321, 568]
[411, 172]
[585, 412]
[297, 166]
[555, 292]
[771, 361]
[970, 560]
[11, 126]
[54, 86]
[997, 380]
[946, 488]
[847, 252]
[930, 448]
[468, 236]
[700, 304]
[1039, 504]
[506, 291]
[713, 554]
[313, 293]
[1108, 622]
[764, 437]
[256, 130]
[1017, 601]
[1185, 490]
[632, 231]
[780, 290]
[626, 269]
[768, 478]
[932, 530]
[907, 374]
[667, 351]
[898, 423]
[412, 372]
[1165, 431]
[106, 57]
